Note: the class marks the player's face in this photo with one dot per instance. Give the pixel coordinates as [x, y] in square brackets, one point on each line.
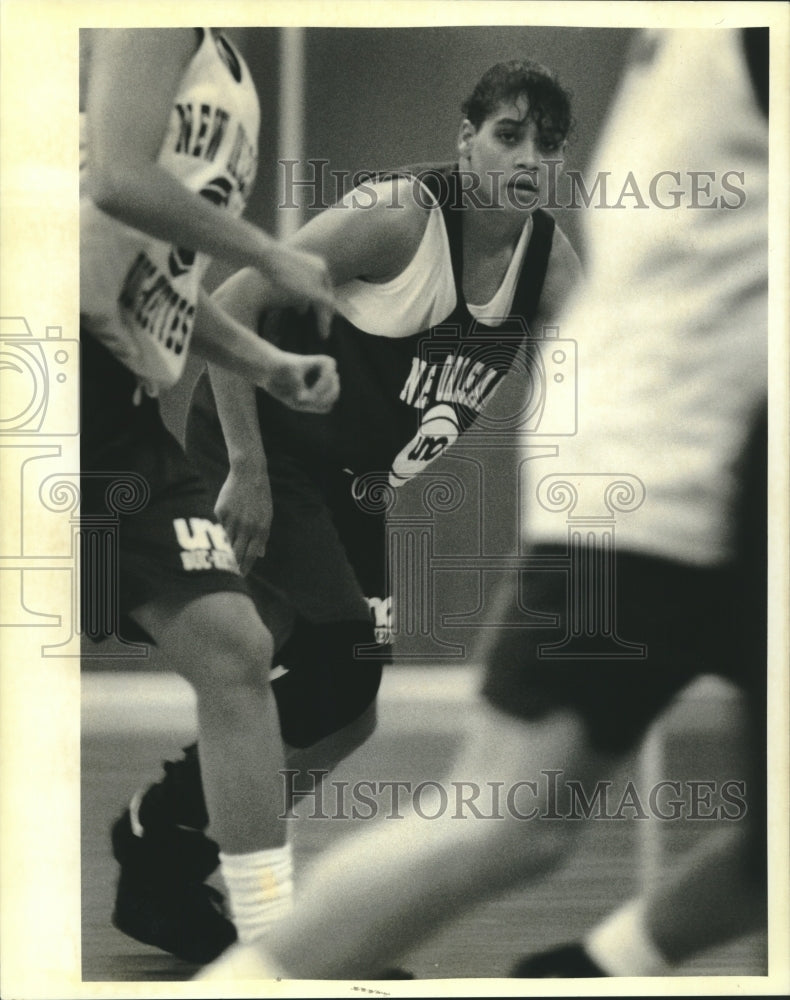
[508, 160]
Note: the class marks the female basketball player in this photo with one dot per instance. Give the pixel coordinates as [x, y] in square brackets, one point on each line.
[672, 398]
[461, 249]
[171, 133]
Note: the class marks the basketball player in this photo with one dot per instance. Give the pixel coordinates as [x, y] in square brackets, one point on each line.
[462, 249]
[672, 394]
[171, 133]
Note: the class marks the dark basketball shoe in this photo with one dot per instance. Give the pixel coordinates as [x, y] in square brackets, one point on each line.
[161, 899]
[568, 961]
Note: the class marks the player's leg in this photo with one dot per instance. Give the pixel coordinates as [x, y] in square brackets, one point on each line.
[714, 895]
[180, 585]
[326, 708]
[719, 891]
[709, 899]
[389, 888]
[547, 716]
[326, 697]
[219, 644]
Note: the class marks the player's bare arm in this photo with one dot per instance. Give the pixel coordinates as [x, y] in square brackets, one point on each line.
[372, 236]
[302, 382]
[375, 242]
[134, 78]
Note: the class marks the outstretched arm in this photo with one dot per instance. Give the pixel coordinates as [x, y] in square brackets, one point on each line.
[373, 238]
[301, 381]
[375, 242]
[134, 76]
[238, 361]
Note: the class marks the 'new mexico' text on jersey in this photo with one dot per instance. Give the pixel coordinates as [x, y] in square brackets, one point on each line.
[138, 295]
[404, 399]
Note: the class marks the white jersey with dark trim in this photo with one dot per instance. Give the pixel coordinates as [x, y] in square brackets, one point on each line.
[424, 292]
[671, 324]
[138, 294]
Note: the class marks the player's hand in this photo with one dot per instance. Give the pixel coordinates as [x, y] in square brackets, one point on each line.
[305, 279]
[244, 506]
[306, 382]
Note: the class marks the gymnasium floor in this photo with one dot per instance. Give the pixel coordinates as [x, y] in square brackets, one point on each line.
[131, 722]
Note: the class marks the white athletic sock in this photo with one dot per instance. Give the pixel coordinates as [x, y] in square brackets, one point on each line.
[621, 945]
[260, 887]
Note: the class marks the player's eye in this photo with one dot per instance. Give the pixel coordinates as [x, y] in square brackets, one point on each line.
[508, 136]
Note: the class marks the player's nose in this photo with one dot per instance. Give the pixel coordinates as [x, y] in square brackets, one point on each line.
[527, 154]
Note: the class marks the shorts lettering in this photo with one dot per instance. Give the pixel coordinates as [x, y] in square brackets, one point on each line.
[204, 545]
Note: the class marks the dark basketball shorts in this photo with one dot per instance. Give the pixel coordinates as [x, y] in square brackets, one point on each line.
[667, 624]
[319, 587]
[148, 530]
[690, 620]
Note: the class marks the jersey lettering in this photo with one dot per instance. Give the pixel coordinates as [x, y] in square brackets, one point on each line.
[205, 140]
[457, 379]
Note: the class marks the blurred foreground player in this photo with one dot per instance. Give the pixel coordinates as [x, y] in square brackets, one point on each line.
[672, 391]
[460, 247]
[171, 132]
[718, 892]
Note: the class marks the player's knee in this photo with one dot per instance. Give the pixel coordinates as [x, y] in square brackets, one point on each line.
[318, 705]
[529, 823]
[232, 648]
[328, 752]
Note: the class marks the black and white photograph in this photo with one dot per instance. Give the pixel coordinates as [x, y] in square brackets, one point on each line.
[394, 439]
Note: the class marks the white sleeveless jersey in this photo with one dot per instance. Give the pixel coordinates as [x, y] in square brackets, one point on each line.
[423, 294]
[138, 295]
[671, 324]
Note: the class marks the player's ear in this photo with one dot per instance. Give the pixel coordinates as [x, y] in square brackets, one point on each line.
[466, 133]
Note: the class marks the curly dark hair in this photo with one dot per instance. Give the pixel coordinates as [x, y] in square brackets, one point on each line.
[549, 102]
